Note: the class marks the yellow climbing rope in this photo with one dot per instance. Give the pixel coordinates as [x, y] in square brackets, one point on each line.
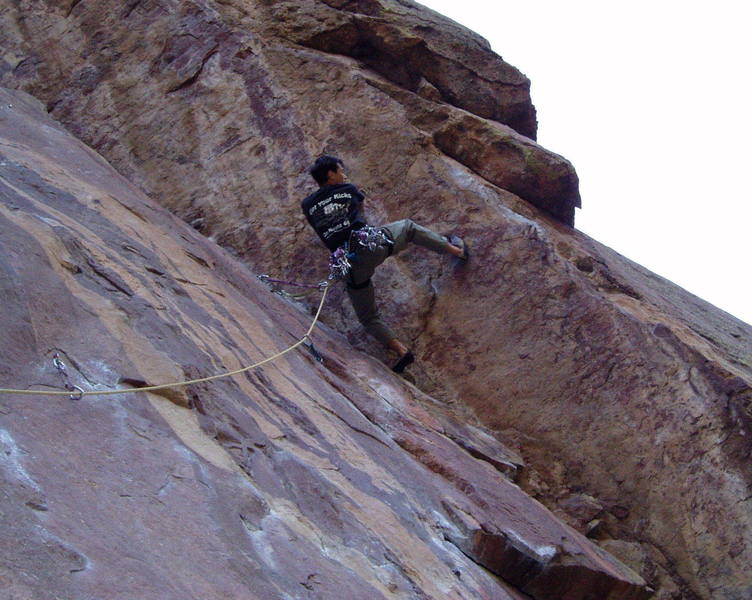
[80, 393]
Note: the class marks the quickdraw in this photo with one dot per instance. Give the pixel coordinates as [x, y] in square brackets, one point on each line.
[311, 286]
[76, 392]
[339, 262]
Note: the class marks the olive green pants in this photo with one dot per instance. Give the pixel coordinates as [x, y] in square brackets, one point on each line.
[359, 285]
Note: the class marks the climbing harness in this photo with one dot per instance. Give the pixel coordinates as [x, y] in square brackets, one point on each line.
[80, 393]
[340, 261]
[371, 237]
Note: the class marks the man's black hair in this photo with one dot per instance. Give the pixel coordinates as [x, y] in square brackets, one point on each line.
[320, 169]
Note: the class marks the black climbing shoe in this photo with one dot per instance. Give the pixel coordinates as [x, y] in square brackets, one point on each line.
[407, 359]
[460, 243]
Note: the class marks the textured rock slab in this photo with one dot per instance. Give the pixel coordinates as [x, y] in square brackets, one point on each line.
[167, 91]
[299, 480]
[591, 356]
[613, 382]
[415, 48]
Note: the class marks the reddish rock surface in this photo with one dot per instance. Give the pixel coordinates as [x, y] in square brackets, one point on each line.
[226, 99]
[612, 383]
[300, 479]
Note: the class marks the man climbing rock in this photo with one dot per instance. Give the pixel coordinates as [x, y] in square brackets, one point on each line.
[335, 211]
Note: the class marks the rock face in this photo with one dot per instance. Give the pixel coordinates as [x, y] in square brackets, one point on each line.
[236, 97]
[298, 480]
[629, 399]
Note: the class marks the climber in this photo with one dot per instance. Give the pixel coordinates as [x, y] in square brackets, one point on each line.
[335, 211]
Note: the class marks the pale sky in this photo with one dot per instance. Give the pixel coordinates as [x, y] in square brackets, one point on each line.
[651, 102]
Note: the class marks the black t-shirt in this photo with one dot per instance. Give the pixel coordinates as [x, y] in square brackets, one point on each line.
[334, 211]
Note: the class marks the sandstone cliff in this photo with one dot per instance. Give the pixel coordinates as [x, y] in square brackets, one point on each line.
[302, 479]
[629, 399]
